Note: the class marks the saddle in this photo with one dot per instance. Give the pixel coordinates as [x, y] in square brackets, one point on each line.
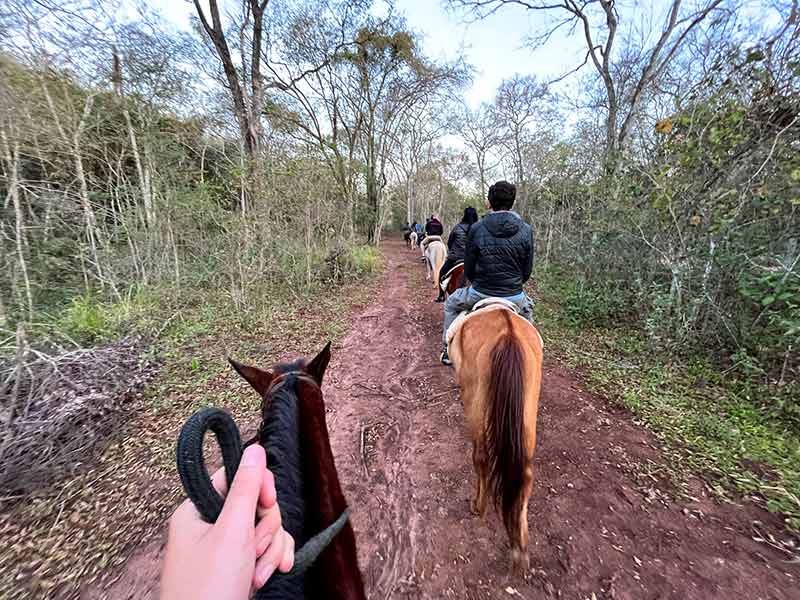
[481, 305]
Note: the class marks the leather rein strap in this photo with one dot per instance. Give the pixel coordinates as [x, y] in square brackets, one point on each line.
[197, 483]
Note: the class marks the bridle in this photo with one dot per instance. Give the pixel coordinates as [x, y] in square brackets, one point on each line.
[280, 379]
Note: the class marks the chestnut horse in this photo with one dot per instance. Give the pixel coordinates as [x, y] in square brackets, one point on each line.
[455, 279]
[313, 508]
[498, 361]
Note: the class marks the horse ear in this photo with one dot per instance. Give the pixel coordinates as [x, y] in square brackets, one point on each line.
[259, 380]
[316, 368]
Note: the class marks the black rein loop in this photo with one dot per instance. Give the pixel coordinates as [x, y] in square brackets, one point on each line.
[198, 487]
[191, 465]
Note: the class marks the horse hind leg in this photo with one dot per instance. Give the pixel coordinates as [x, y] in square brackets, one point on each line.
[520, 561]
[479, 461]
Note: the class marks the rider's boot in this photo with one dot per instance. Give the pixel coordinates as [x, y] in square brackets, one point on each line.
[445, 358]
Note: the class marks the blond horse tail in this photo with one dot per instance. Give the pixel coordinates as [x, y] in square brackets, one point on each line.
[437, 266]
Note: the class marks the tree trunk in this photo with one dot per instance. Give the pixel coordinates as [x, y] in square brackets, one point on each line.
[11, 158]
[441, 197]
[74, 144]
[142, 168]
[92, 233]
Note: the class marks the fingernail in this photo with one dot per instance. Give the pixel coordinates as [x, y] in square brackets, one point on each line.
[252, 456]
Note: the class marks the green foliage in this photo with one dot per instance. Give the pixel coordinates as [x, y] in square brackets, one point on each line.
[354, 262]
[594, 305]
[695, 241]
[365, 260]
[86, 320]
[194, 238]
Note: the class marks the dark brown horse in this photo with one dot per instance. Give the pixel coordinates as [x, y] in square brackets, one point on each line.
[294, 433]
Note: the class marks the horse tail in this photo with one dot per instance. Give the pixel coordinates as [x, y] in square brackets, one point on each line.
[437, 265]
[504, 433]
[432, 254]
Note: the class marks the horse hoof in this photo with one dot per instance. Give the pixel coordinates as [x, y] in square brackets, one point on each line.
[520, 562]
[476, 509]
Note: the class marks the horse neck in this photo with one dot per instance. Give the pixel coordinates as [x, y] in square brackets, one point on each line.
[279, 434]
[336, 572]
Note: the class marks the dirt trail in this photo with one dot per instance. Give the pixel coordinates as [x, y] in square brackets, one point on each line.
[600, 526]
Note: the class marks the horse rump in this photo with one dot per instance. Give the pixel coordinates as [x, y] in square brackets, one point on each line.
[453, 279]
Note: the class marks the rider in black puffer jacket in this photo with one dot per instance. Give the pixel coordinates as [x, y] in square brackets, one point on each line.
[499, 254]
[498, 260]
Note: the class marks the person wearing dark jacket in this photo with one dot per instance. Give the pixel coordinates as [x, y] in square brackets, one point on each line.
[498, 260]
[457, 244]
[434, 226]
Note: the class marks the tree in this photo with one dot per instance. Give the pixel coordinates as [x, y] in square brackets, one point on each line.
[517, 107]
[369, 76]
[244, 81]
[418, 132]
[480, 132]
[598, 21]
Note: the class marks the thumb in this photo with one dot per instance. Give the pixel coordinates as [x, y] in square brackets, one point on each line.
[239, 510]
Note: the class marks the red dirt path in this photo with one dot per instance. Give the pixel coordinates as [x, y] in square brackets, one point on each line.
[600, 528]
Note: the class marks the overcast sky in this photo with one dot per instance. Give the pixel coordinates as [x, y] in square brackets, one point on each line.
[495, 46]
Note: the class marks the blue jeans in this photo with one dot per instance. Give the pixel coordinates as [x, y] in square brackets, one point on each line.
[465, 298]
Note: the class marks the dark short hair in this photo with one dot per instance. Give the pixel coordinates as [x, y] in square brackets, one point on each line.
[502, 195]
[470, 216]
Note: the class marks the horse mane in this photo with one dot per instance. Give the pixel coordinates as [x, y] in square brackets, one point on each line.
[335, 575]
[295, 434]
[279, 434]
[504, 433]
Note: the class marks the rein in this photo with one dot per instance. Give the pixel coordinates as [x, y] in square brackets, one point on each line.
[197, 483]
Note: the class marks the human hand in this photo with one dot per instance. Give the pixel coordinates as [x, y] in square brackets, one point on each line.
[231, 558]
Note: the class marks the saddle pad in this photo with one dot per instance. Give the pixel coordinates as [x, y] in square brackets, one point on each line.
[432, 238]
[487, 304]
[502, 302]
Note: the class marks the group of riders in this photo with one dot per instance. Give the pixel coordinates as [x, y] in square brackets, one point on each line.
[497, 252]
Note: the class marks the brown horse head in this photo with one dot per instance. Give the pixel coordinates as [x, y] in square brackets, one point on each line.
[261, 380]
[456, 280]
[335, 574]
